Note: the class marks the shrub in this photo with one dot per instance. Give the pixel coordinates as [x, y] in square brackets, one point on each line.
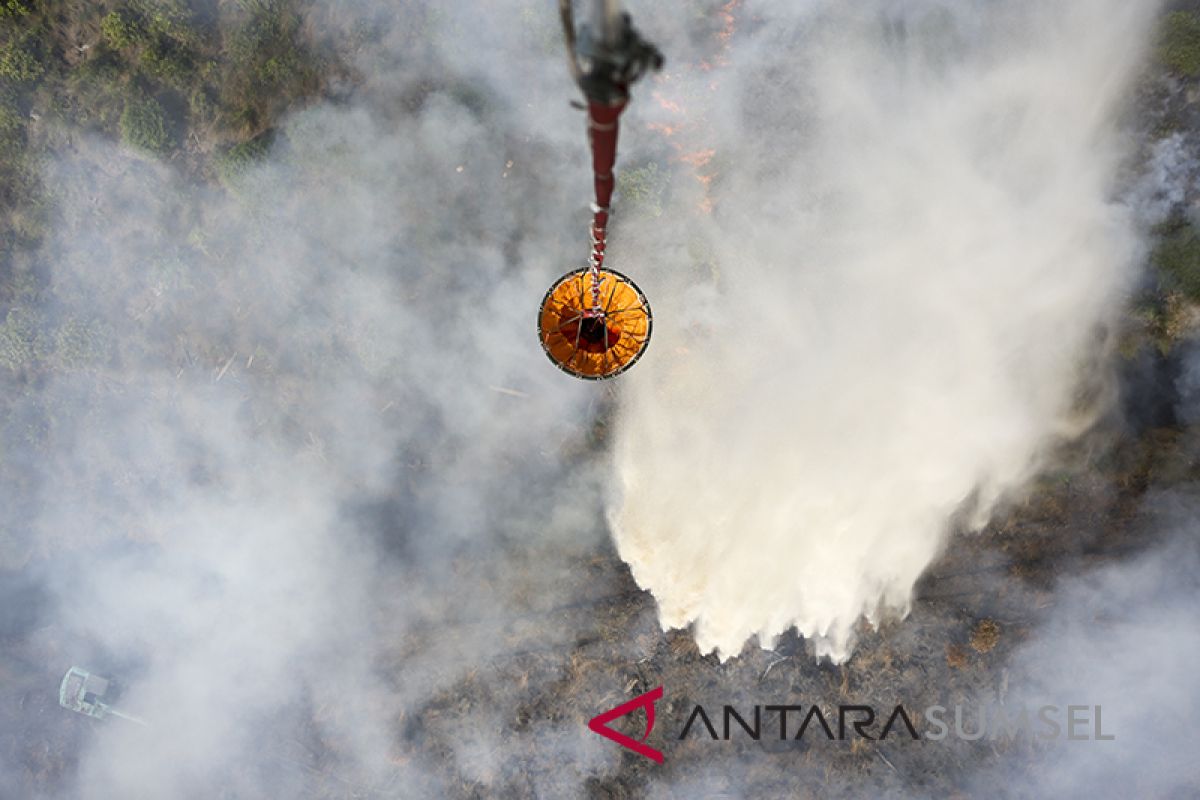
[241, 157]
[1179, 43]
[14, 8]
[80, 344]
[1178, 259]
[985, 636]
[144, 126]
[169, 18]
[12, 133]
[122, 30]
[167, 62]
[201, 104]
[267, 65]
[19, 343]
[96, 92]
[18, 62]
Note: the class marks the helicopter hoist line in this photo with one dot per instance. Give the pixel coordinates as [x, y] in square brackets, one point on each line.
[594, 323]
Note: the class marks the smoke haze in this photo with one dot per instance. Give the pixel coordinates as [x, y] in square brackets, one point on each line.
[309, 436]
[907, 288]
[305, 483]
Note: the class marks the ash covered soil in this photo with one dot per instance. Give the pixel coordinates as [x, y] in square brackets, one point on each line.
[513, 723]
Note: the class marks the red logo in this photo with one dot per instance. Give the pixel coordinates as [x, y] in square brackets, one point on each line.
[599, 724]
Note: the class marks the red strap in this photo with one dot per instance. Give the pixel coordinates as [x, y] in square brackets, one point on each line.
[603, 126]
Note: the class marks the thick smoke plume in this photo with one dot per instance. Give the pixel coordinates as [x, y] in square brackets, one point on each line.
[894, 309]
[1121, 636]
[309, 467]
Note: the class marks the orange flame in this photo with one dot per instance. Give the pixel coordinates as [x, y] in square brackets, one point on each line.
[698, 159]
[669, 105]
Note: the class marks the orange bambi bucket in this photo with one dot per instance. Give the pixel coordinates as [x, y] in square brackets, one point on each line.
[594, 323]
[589, 345]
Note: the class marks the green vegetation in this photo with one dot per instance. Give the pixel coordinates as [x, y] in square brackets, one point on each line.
[77, 344]
[219, 73]
[27, 343]
[14, 8]
[1177, 258]
[269, 66]
[19, 60]
[144, 126]
[1166, 314]
[122, 30]
[199, 82]
[18, 340]
[1170, 314]
[1179, 44]
[240, 157]
[12, 133]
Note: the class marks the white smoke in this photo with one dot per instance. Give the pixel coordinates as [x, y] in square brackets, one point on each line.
[325, 508]
[1121, 636]
[315, 467]
[908, 272]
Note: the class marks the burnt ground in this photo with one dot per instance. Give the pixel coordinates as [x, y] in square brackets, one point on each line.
[556, 666]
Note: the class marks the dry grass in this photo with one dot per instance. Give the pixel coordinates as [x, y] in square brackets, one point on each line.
[956, 656]
[985, 636]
